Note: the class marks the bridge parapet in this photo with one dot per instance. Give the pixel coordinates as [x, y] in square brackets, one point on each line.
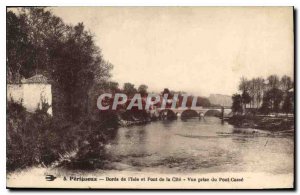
[201, 111]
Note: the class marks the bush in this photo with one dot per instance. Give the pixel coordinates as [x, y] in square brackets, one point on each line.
[35, 139]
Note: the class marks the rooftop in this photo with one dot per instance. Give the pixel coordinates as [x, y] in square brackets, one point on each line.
[36, 79]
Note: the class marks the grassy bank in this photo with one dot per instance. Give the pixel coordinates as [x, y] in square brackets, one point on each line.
[262, 122]
[38, 139]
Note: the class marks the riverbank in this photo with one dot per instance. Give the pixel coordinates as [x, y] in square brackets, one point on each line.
[197, 148]
[124, 123]
[262, 122]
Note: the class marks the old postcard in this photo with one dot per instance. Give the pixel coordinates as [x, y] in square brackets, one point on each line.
[150, 97]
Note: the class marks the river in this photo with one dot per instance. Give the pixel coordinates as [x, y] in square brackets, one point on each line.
[179, 150]
[202, 146]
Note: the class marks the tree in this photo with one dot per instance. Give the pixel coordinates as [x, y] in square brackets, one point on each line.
[287, 106]
[113, 86]
[286, 83]
[260, 91]
[244, 84]
[129, 89]
[267, 96]
[237, 103]
[266, 105]
[44, 31]
[245, 87]
[40, 43]
[276, 98]
[142, 89]
[17, 47]
[252, 90]
[78, 64]
[246, 99]
[273, 81]
[272, 100]
[165, 91]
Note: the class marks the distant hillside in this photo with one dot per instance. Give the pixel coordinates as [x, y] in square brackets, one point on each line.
[219, 99]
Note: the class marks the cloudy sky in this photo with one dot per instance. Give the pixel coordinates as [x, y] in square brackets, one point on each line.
[199, 50]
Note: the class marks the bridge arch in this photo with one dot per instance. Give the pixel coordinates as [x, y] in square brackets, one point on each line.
[167, 114]
[189, 113]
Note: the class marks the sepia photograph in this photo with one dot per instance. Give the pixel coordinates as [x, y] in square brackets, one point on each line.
[150, 97]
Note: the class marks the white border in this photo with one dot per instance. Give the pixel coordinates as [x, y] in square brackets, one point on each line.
[4, 3]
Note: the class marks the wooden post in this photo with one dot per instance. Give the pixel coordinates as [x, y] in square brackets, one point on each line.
[222, 113]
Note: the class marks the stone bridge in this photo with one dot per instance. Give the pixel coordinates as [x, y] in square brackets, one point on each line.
[201, 111]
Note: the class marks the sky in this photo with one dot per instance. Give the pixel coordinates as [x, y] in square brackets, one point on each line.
[199, 50]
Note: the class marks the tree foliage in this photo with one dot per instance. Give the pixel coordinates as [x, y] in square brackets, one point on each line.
[237, 103]
[142, 89]
[287, 106]
[270, 95]
[129, 89]
[41, 43]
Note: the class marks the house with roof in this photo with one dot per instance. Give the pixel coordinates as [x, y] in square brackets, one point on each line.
[31, 92]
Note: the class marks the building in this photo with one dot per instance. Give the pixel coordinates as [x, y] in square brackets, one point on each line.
[31, 92]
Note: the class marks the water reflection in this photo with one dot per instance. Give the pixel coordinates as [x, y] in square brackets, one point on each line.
[201, 146]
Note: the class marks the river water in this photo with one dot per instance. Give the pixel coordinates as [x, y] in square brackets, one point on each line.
[200, 146]
[181, 149]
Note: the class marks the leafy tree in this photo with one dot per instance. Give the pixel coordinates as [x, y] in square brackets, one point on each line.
[18, 53]
[246, 99]
[266, 105]
[276, 96]
[142, 89]
[255, 89]
[44, 31]
[237, 103]
[252, 91]
[78, 64]
[260, 91]
[287, 106]
[41, 43]
[268, 96]
[113, 86]
[273, 81]
[244, 84]
[272, 100]
[166, 91]
[286, 83]
[129, 89]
